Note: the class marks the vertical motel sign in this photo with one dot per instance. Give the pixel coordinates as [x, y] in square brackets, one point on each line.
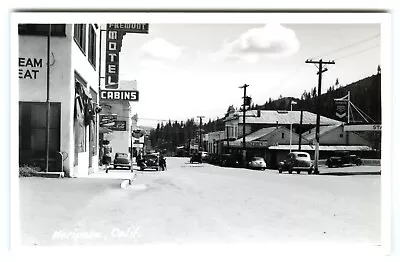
[115, 33]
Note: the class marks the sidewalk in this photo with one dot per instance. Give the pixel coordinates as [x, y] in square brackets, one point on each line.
[350, 170]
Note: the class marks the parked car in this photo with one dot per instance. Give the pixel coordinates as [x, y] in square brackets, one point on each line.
[150, 161]
[257, 163]
[341, 158]
[196, 158]
[122, 160]
[228, 160]
[297, 161]
[213, 159]
[204, 156]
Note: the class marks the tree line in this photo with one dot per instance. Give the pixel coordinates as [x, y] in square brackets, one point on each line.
[172, 134]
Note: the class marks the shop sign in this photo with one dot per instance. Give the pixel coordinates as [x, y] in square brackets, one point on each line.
[115, 34]
[29, 67]
[107, 120]
[118, 126]
[119, 95]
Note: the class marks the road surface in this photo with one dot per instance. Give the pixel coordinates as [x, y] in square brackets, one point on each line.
[200, 203]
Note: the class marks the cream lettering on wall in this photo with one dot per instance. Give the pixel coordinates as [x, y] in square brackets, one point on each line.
[29, 68]
[115, 34]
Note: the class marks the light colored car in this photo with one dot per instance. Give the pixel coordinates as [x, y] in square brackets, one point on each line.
[257, 163]
[297, 161]
[204, 156]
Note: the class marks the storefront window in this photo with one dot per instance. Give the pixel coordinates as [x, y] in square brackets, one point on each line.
[32, 126]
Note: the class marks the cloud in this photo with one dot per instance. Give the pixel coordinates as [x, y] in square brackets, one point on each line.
[154, 65]
[159, 48]
[272, 41]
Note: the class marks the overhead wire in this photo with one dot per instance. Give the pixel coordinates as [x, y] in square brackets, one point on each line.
[293, 74]
[348, 46]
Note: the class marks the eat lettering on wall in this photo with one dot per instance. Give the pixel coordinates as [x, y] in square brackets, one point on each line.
[29, 67]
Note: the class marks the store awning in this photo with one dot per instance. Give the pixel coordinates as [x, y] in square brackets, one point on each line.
[322, 148]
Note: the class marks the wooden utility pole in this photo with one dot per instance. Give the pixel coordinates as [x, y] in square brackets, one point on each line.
[244, 122]
[201, 122]
[320, 71]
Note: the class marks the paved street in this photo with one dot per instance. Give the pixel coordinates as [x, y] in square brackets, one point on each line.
[198, 203]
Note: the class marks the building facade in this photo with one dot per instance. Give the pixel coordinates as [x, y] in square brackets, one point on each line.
[73, 94]
[121, 138]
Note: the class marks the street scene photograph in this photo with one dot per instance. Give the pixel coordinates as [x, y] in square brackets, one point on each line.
[209, 130]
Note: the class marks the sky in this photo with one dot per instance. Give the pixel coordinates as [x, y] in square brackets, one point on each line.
[189, 70]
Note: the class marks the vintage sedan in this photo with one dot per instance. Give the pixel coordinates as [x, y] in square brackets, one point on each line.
[297, 161]
[150, 161]
[342, 158]
[122, 160]
[196, 158]
[257, 163]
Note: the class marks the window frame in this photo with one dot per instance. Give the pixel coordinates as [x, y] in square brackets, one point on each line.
[80, 35]
[92, 47]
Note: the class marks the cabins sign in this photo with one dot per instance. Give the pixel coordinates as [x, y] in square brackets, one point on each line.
[119, 95]
[115, 33]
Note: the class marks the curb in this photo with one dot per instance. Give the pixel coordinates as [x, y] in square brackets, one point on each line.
[127, 182]
[49, 174]
[351, 174]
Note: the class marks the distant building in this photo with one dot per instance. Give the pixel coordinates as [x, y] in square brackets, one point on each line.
[257, 119]
[268, 135]
[122, 110]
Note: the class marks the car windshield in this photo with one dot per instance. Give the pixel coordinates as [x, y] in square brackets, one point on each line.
[341, 153]
[302, 155]
[153, 157]
[121, 155]
[257, 158]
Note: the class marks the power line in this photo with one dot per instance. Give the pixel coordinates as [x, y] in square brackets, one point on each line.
[358, 52]
[288, 77]
[349, 46]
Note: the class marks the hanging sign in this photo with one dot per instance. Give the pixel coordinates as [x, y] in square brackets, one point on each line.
[118, 126]
[341, 108]
[115, 33]
[107, 120]
[119, 95]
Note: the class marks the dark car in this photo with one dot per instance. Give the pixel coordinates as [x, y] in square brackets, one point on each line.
[196, 158]
[150, 161]
[122, 160]
[229, 160]
[341, 158]
[297, 161]
[213, 159]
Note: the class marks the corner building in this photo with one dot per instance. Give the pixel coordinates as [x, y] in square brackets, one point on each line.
[73, 95]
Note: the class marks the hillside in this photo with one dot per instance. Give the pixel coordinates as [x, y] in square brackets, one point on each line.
[365, 94]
